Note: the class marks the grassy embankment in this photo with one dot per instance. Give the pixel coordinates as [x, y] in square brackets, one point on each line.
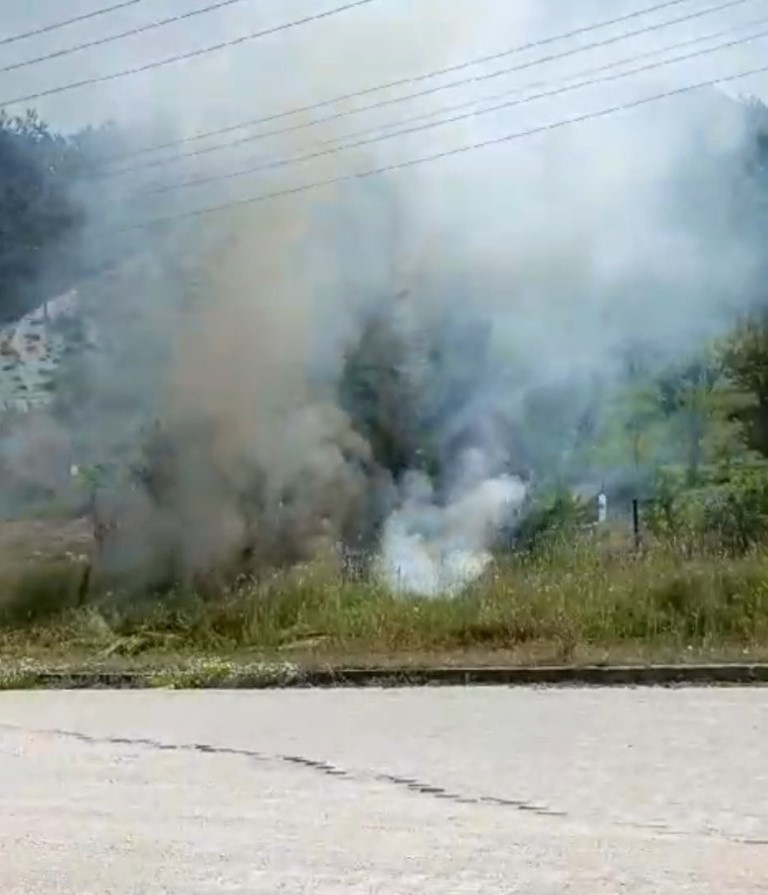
[579, 603]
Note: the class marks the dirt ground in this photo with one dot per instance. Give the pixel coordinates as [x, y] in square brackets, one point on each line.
[43, 561]
[26, 540]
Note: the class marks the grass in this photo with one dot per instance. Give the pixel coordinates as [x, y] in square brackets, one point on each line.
[577, 604]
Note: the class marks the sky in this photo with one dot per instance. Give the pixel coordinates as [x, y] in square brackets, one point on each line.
[377, 42]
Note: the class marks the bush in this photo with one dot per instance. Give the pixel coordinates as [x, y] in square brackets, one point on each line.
[42, 591]
[731, 518]
[550, 522]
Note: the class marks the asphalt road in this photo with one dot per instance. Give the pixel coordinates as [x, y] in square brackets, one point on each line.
[385, 791]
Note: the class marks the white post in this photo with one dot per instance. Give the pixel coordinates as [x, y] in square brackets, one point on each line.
[602, 508]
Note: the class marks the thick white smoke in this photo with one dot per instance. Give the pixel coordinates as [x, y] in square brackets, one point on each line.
[530, 268]
[432, 548]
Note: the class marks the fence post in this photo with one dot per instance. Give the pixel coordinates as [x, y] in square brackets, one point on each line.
[636, 521]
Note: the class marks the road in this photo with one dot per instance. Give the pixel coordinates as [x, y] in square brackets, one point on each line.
[391, 792]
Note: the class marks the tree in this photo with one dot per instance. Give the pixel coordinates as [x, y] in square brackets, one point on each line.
[379, 393]
[686, 395]
[745, 361]
[744, 353]
[37, 212]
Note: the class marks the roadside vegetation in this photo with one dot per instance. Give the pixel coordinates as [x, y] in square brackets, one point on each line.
[689, 444]
[582, 597]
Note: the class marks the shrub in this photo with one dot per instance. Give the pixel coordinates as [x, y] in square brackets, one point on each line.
[548, 523]
[730, 518]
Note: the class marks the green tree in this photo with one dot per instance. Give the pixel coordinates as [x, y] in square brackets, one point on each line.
[745, 362]
[686, 396]
[38, 212]
[379, 392]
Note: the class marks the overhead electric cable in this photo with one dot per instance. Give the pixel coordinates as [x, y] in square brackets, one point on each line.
[55, 26]
[380, 104]
[479, 60]
[112, 38]
[367, 141]
[585, 72]
[182, 57]
[446, 153]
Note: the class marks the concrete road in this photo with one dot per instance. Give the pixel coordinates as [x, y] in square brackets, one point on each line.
[389, 792]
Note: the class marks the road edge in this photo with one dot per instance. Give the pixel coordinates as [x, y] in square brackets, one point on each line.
[294, 677]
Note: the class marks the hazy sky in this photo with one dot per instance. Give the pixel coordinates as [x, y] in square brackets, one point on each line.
[378, 43]
[385, 40]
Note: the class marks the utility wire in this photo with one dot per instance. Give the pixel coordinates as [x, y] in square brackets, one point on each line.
[447, 153]
[585, 72]
[455, 107]
[556, 91]
[380, 104]
[284, 162]
[132, 32]
[181, 57]
[46, 29]
[479, 60]
[402, 81]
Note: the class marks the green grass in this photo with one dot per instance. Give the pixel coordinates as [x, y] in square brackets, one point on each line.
[571, 605]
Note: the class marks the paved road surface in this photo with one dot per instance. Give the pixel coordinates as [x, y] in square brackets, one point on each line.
[389, 792]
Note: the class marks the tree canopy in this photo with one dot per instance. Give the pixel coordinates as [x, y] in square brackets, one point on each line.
[39, 214]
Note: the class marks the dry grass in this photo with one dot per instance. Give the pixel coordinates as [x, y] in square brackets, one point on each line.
[575, 604]
[43, 565]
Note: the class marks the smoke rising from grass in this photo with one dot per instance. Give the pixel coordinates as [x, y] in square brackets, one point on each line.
[431, 548]
[486, 303]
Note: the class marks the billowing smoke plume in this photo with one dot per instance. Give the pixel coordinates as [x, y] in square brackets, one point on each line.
[387, 362]
[432, 547]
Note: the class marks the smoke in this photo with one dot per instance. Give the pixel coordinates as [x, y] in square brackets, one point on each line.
[431, 548]
[390, 361]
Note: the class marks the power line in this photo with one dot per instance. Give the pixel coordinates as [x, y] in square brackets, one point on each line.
[479, 60]
[367, 141]
[280, 163]
[132, 32]
[45, 29]
[436, 113]
[447, 153]
[345, 113]
[181, 57]
[474, 102]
